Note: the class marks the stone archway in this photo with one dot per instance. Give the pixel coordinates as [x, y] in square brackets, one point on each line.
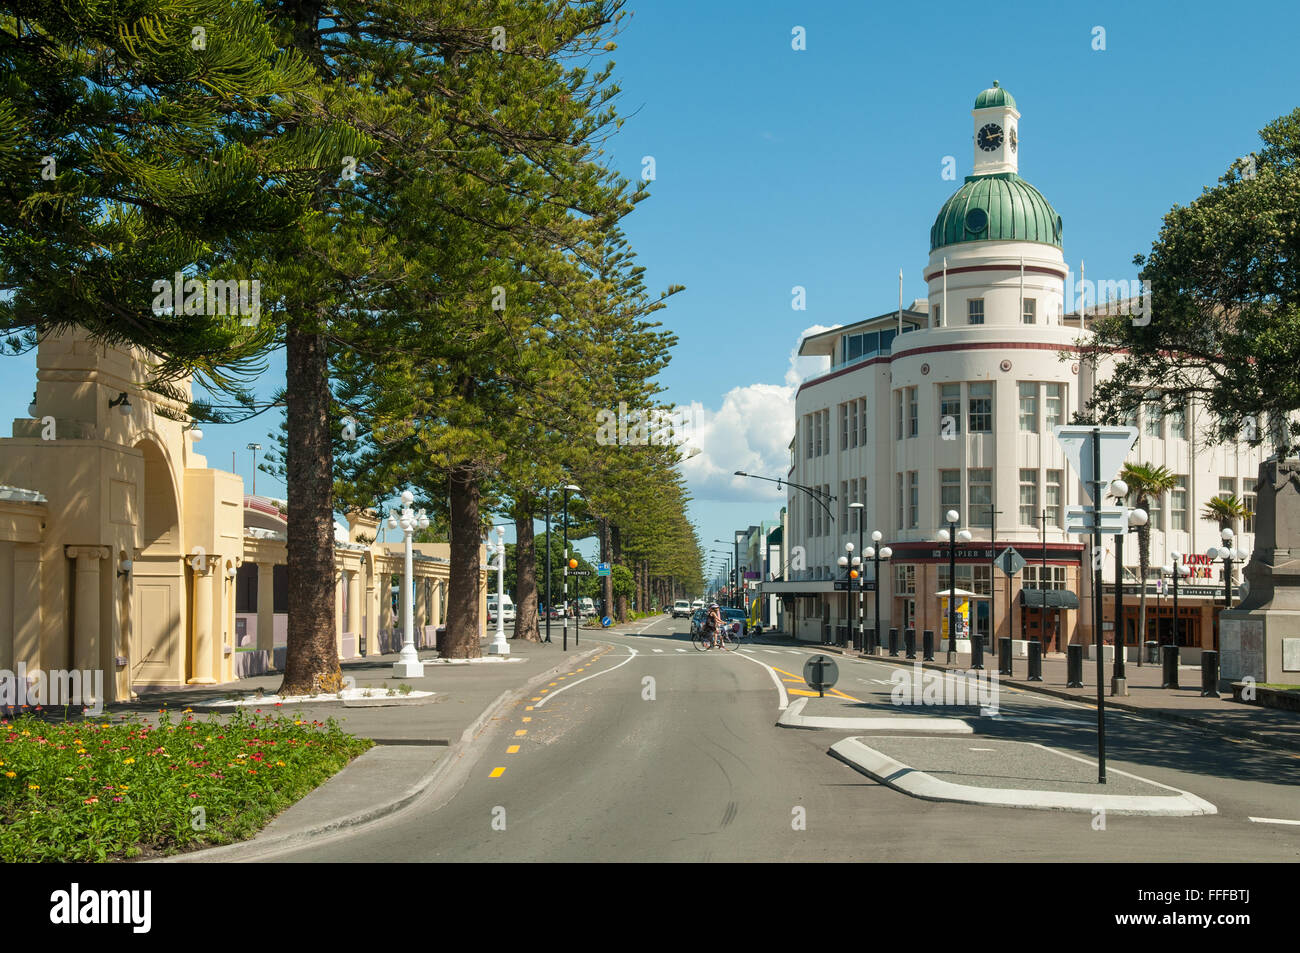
[158, 643]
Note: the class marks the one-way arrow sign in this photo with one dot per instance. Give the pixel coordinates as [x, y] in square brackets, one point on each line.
[1076, 442]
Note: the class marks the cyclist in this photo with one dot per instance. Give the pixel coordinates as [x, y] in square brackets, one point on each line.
[713, 625]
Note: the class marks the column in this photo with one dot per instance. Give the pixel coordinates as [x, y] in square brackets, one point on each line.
[27, 606]
[354, 607]
[86, 634]
[372, 606]
[266, 609]
[202, 568]
[338, 612]
[383, 588]
[436, 610]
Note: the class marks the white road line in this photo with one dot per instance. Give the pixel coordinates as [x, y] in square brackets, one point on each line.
[681, 650]
[632, 655]
[785, 699]
[771, 652]
[1274, 820]
[660, 651]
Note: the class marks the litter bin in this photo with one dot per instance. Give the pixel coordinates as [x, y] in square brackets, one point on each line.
[440, 637]
[1153, 652]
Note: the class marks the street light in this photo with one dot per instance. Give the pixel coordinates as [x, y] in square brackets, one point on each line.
[568, 488]
[1178, 571]
[253, 447]
[877, 553]
[1135, 519]
[952, 536]
[861, 644]
[499, 645]
[1228, 554]
[408, 664]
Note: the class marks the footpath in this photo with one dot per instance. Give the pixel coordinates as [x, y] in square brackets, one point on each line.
[419, 742]
[1214, 714]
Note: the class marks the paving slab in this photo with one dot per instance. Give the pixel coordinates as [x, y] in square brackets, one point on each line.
[1010, 774]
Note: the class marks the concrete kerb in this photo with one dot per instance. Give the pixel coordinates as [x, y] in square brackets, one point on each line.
[1209, 728]
[901, 777]
[793, 717]
[421, 787]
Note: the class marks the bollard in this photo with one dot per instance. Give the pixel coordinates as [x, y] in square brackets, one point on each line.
[1004, 656]
[977, 653]
[927, 645]
[1169, 661]
[893, 643]
[1035, 660]
[1210, 674]
[1074, 666]
[909, 642]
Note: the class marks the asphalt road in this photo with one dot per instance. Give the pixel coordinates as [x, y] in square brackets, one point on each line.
[656, 752]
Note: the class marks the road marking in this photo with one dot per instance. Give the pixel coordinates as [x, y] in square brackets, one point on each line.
[1275, 820]
[514, 749]
[785, 698]
[681, 650]
[497, 772]
[553, 684]
[520, 732]
[659, 651]
[537, 699]
[528, 717]
[981, 749]
[632, 655]
[528, 708]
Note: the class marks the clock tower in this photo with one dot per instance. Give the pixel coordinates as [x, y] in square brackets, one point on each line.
[997, 132]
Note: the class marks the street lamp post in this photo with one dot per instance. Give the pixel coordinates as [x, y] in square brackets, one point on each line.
[568, 488]
[1228, 554]
[1135, 518]
[499, 645]
[844, 564]
[253, 447]
[877, 552]
[862, 635]
[408, 665]
[1176, 570]
[548, 565]
[951, 535]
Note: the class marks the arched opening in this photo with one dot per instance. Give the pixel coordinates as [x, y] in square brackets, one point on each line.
[158, 642]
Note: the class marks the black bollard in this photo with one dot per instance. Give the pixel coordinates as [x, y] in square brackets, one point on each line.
[927, 645]
[1169, 661]
[977, 653]
[1004, 656]
[1074, 666]
[1035, 660]
[1210, 674]
[909, 642]
[893, 643]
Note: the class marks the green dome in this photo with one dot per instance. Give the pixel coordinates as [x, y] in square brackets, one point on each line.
[993, 208]
[995, 95]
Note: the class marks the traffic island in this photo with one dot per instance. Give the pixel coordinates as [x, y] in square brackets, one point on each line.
[1010, 774]
[837, 713]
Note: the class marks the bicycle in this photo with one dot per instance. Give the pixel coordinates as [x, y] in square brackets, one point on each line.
[703, 641]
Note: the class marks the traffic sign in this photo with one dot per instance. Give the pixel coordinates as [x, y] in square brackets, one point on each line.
[1076, 442]
[820, 672]
[1082, 519]
[602, 569]
[1010, 561]
[577, 572]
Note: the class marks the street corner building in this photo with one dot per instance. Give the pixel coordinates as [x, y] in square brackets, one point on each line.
[949, 403]
[121, 550]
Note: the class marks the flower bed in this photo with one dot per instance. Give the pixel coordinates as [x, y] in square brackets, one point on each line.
[99, 790]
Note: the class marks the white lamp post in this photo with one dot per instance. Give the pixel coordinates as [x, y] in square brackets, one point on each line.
[499, 645]
[409, 664]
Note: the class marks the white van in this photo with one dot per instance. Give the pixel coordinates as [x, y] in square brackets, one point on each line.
[509, 614]
[586, 606]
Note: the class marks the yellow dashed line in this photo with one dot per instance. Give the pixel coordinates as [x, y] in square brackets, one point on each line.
[528, 717]
[537, 699]
[513, 749]
[497, 772]
[520, 732]
[553, 684]
[529, 708]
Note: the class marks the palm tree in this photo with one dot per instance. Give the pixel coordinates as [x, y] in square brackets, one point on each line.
[1146, 484]
[1225, 510]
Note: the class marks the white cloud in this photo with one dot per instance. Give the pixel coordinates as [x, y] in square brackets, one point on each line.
[751, 431]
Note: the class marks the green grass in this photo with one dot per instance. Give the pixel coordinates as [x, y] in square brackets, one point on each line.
[98, 790]
[1277, 687]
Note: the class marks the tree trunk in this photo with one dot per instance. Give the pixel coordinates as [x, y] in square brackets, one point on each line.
[607, 583]
[616, 553]
[463, 593]
[311, 661]
[525, 577]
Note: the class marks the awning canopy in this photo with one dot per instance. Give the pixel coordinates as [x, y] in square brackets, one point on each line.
[1048, 598]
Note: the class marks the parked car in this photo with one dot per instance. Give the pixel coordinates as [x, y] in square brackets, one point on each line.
[681, 609]
[730, 615]
[586, 607]
[697, 620]
[697, 604]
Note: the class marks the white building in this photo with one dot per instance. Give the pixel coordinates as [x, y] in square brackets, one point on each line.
[950, 404]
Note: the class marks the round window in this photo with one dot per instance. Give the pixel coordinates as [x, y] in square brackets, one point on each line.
[977, 220]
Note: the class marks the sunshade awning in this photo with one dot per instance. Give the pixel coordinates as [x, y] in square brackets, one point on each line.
[1048, 598]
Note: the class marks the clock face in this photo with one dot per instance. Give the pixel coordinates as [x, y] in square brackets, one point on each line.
[990, 137]
[1011, 138]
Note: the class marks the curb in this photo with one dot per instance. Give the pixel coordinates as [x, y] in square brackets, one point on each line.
[901, 777]
[793, 717]
[1207, 727]
[453, 754]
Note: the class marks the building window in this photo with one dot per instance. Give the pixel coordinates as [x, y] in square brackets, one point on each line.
[980, 489]
[938, 315]
[1055, 497]
[1153, 420]
[982, 580]
[862, 421]
[853, 423]
[949, 491]
[1178, 503]
[911, 412]
[1227, 487]
[862, 495]
[1248, 524]
[812, 516]
[1030, 313]
[826, 428]
[844, 503]
[808, 434]
[905, 580]
[1178, 422]
[844, 427]
[818, 417]
[1028, 497]
[898, 413]
[1156, 510]
[1054, 405]
[949, 409]
[981, 407]
[1054, 578]
[899, 514]
[975, 311]
[913, 500]
[1029, 406]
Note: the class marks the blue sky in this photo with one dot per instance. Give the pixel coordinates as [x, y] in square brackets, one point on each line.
[821, 168]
